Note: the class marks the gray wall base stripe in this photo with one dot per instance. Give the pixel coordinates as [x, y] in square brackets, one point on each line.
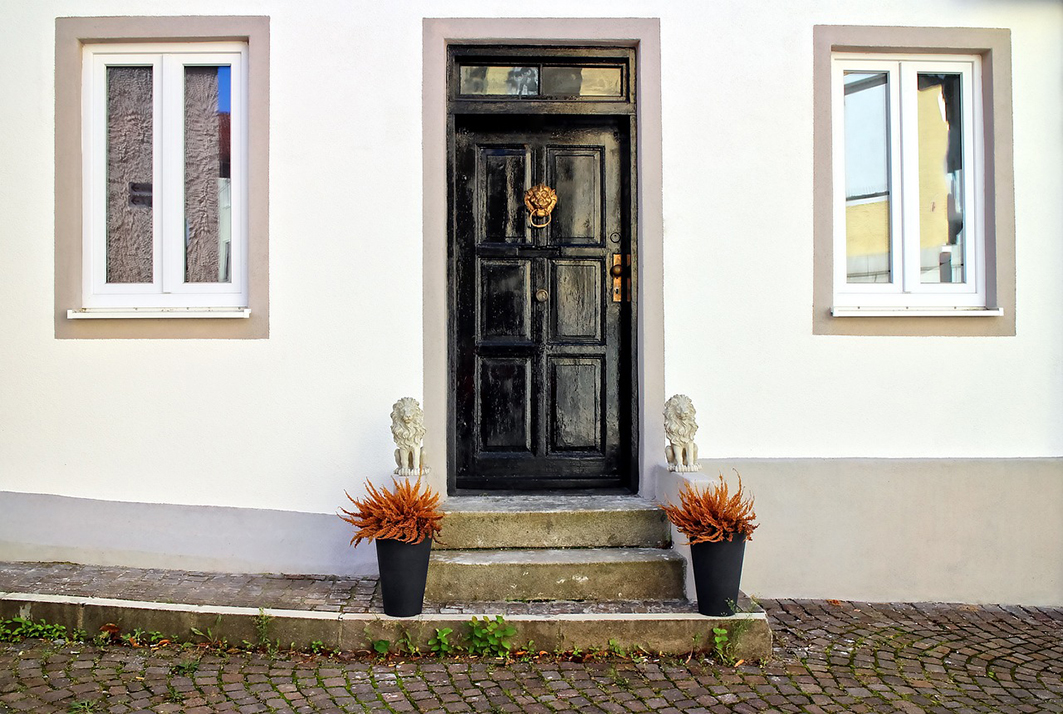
[880, 530]
[900, 530]
[42, 527]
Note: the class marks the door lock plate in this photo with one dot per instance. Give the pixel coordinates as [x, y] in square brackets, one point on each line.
[621, 265]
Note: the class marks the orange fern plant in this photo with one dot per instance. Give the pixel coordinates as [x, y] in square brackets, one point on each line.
[713, 514]
[409, 514]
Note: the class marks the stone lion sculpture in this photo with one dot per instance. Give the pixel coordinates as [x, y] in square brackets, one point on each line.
[679, 428]
[407, 426]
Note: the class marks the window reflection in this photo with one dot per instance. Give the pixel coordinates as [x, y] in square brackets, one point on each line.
[582, 81]
[551, 81]
[508, 81]
[208, 186]
[130, 167]
[867, 178]
[941, 209]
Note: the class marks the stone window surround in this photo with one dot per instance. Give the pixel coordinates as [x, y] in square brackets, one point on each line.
[71, 34]
[994, 46]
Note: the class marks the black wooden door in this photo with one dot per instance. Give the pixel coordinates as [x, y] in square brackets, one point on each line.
[541, 343]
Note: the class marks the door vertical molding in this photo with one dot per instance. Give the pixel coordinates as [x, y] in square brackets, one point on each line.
[641, 33]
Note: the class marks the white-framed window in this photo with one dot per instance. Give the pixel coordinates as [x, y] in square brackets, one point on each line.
[908, 169]
[164, 147]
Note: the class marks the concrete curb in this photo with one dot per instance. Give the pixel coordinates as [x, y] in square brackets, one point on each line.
[750, 635]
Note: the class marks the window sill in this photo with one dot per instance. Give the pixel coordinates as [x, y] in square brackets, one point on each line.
[154, 313]
[916, 312]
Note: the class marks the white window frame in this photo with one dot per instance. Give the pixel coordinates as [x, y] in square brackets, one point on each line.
[906, 293]
[168, 291]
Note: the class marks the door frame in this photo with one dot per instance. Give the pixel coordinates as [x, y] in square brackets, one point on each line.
[642, 35]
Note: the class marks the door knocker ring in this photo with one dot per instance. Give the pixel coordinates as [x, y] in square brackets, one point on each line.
[540, 201]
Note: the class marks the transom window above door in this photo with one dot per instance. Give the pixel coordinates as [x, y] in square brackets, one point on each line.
[542, 80]
[551, 75]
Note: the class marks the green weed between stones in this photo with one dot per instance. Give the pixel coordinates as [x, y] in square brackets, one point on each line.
[406, 645]
[172, 695]
[527, 652]
[724, 641]
[185, 669]
[152, 638]
[618, 679]
[262, 624]
[489, 637]
[18, 628]
[440, 645]
[212, 640]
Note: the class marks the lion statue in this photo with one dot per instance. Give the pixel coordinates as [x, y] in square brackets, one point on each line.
[407, 426]
[679, 428]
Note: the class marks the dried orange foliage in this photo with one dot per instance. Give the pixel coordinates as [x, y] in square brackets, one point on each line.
[714, 514]
[408, 513]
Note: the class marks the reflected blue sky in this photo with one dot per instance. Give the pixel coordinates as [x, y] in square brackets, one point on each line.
[224, 89]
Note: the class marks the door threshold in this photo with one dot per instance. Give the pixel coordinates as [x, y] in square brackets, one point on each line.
[552, 493]
[546, 503]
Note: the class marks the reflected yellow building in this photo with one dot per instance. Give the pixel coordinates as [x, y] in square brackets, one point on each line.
[867, 222]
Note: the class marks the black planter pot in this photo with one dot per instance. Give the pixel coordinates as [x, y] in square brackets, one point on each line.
[403, 571]
[717, 573]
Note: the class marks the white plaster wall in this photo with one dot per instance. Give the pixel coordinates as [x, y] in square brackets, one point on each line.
[738, 262]
[290, 422]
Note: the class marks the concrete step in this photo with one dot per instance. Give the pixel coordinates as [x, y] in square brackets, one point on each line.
[555, 574]
[638, 627]
[552, 522]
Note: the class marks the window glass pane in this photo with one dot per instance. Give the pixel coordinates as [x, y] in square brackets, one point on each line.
[941, 209]
[208, 205]
[129, 175]
[867, 178]
[582, 81]
[518, 81]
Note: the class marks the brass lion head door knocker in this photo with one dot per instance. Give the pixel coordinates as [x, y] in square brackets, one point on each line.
[540, 201]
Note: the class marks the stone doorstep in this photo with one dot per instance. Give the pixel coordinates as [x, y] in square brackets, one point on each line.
[673, 633]
[474, 522]
[550, 547]
[555, 574]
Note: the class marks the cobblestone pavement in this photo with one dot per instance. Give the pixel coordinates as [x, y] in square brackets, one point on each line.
[324, 593]
[830, 656]
[305, 592]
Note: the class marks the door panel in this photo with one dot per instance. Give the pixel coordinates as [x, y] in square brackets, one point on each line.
[575, 173]
[504, 287]
[503, 171]
[505, 405]
[576, 310]
[541, 383]
[576, 404]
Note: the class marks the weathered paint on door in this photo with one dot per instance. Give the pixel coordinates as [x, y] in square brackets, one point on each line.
[541, 383]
